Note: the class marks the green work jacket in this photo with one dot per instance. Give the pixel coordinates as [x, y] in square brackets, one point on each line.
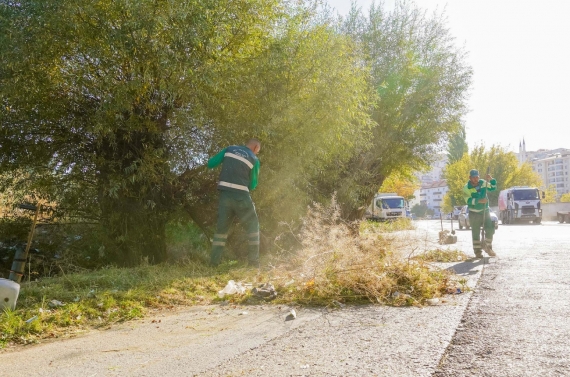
[240, 169]
[472, 194]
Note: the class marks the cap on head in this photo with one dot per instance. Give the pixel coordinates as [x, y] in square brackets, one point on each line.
[474, 173]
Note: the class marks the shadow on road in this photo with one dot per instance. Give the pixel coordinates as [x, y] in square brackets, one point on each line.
[468, 267]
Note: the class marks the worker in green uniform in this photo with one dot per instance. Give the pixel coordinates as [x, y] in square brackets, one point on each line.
[475, 194]
[240, 169]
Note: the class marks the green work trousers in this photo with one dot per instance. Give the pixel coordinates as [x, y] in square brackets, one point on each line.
[476, 222]
[236, 205]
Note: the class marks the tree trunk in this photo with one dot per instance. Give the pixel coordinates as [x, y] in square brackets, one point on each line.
[134, 197]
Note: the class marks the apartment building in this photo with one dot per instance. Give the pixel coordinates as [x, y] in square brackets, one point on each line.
[432, 195]
[554, 170]
[552, 165]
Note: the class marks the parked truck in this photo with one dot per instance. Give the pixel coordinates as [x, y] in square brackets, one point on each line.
[563, 216]
[520, 203]
[387, 206]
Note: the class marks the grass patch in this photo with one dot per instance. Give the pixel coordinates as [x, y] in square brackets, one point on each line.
[441, 255]
[100, 298]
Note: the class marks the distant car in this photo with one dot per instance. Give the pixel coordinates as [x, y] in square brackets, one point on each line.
[464, 218]
[456, 211]
[494, 218]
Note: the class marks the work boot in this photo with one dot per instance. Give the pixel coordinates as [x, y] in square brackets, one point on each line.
[490, 251]
[478, 254]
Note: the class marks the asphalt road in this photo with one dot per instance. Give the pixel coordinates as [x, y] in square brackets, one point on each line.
[513, 323]
[517, 322]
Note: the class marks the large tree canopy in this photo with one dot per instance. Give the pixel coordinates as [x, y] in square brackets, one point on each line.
[421, 79]
[111, 108]
[94, 92]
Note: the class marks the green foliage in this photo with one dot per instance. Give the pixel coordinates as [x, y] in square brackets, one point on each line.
[120, 119]
[457, 146]
[504, 167]
[565, 198]
[112, 118]
[550, 194]
[420, 210]
[307, 98]
[421, 81]
[105, 96]
[125, 102]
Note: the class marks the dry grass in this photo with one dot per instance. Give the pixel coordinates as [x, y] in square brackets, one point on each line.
[336, 264]
[441, 255]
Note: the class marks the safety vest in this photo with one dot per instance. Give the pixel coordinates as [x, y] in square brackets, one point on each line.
[236, 169]
[472, 194]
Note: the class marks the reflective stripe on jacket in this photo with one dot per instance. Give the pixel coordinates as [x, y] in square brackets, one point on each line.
[472, 194]
[240, 168]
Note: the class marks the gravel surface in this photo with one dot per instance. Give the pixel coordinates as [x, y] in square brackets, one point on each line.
[517, 323]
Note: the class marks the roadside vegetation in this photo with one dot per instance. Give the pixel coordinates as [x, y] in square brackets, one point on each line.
[332, 266]
[110, 131]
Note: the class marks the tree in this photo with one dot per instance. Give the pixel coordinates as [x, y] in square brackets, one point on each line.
[504, 167]
[457, 146]
[92, 109]
[421, 80]
[420, 210]
[403, 185]
[314, 99]
[550, 194]
[565, 198]
[447, 203]
[116, 114]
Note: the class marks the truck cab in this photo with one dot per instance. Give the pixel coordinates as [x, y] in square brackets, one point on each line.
[520, 203]
[387, 206]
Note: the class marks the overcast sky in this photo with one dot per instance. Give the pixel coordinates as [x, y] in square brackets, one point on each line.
[519, 51]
